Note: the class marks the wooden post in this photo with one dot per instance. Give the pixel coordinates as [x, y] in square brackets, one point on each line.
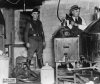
[2, 41]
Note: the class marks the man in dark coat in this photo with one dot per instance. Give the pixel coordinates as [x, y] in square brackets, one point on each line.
[34, 38]
[76, 23]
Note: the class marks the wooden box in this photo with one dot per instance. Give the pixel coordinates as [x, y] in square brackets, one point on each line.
[68, 45]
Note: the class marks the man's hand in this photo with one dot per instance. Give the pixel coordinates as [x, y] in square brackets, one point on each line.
[28, 45]
[72, 23]
[44, 45]
[75, 24]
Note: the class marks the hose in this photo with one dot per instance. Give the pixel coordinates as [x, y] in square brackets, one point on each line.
[58, 11]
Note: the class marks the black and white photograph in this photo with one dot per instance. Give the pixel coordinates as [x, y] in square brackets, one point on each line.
[49, 41]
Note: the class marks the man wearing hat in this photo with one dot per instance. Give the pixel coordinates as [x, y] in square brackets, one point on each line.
[34, 38]
[75, 22]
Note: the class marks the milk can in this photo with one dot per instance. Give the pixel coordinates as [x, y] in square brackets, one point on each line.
[47, 74]
[4, 68]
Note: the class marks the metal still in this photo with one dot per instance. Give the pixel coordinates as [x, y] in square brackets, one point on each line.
[91, 46]
[91, 41]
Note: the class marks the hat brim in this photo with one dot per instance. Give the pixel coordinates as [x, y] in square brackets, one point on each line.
[75, 8]
[35, 11]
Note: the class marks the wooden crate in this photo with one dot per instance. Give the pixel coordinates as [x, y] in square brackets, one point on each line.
[66, 45]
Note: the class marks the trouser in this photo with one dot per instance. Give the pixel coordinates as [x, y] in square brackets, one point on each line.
[36, 46]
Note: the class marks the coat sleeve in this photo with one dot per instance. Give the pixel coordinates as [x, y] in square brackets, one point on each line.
[43, 36]
[83, 26]
[26, 32]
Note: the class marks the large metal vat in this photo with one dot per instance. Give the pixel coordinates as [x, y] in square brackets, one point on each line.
[91, 41]
[66, 47]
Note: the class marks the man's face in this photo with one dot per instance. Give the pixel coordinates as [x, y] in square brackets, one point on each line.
[35, 15]
[76, 12]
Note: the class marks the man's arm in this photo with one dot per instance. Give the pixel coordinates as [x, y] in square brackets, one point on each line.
[83, 26]
[69, 25]
[43, 36]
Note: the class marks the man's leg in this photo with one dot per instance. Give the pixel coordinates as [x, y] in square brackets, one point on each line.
[31, 50]
[29, 59]
[40, 54]
[40, 62]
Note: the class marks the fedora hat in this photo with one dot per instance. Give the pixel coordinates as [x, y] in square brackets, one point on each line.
[74, 7]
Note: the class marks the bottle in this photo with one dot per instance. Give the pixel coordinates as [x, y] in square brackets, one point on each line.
[47, 74]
